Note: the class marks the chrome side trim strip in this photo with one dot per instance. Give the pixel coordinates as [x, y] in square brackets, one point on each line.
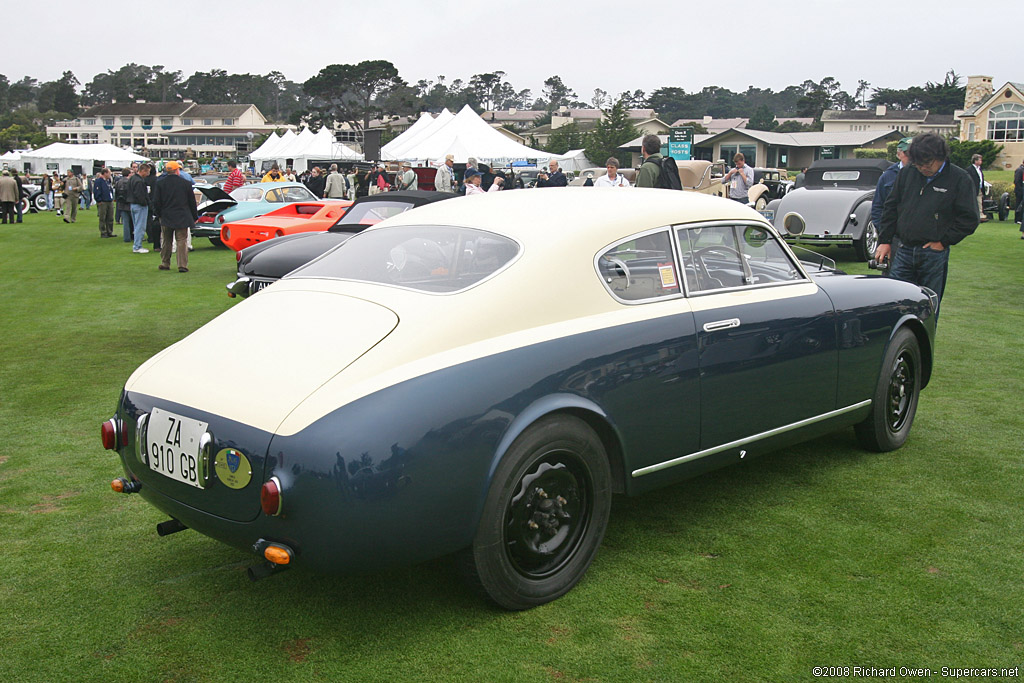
[750, 439]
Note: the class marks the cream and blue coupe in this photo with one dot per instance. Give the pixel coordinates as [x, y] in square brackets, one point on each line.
[479, 376]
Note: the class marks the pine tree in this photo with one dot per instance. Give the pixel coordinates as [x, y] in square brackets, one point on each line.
[613, 130]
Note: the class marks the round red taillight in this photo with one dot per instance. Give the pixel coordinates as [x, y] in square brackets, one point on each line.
[238, 255]
[270, 497]
[109, 434]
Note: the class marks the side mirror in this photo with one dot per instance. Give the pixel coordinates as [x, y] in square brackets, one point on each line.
[794, 224]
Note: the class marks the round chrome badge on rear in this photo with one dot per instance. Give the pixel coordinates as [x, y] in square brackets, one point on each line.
[233, 468]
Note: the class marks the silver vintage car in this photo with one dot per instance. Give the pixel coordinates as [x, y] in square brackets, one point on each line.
[835, 202]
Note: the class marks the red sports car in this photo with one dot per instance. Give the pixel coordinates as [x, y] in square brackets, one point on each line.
[288, 220]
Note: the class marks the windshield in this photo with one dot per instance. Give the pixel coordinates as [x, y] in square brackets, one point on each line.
[371, 213]
[426, 258]
[247, 194]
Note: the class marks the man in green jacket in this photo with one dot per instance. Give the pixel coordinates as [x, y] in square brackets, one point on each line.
[650, 169]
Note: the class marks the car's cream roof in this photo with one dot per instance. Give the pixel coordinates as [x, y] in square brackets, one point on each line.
[586, 216]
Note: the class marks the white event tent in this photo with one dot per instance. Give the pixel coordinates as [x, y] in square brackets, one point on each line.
[65, 155]
[299, 150]
[268, 144]
[416, 132]
[464, 135]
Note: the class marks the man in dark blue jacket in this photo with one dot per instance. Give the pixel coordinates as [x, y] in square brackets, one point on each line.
[103, 193]
[931, 207]
[174, 203]
[885, 183]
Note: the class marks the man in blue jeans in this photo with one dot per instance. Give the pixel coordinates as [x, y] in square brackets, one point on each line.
[932, 206]
[138, 203]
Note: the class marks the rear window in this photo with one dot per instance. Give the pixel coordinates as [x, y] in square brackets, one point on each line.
[371, 213]
[840, 175]
[437, 259]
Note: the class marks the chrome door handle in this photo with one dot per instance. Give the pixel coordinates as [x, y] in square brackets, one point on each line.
[721, 325]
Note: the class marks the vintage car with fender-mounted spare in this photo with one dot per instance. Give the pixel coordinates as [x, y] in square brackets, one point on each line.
[835, 203]
[477, 377]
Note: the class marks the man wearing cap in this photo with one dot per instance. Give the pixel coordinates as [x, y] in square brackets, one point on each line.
[174, 203]
[884, 186]
[931, 207]
[407, 179]
[444, 179]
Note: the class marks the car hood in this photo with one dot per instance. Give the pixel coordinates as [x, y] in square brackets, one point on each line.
[826, 209]
[308, 334]
[214, 193]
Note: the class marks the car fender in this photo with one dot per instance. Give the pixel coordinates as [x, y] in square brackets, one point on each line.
[862, 211]
[755, 192]
[547, 405]
[924, 338]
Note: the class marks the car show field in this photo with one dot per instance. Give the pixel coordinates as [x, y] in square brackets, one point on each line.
[819, 555]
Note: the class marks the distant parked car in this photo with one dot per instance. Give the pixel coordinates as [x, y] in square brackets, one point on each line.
[777, 182]
[247, 201]
[290, 219]
[993, 206]
[835, 202]
[32, 198]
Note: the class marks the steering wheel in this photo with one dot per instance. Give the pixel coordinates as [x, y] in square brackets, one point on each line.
[619, 263]
[703, 272]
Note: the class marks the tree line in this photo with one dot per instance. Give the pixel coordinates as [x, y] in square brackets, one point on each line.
[357, 93]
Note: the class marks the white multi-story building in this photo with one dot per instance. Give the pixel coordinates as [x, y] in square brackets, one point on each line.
[168, 129]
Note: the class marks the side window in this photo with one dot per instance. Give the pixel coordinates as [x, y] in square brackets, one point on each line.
[711, 259]
[274, 196]
[729, 256]
[640, 268]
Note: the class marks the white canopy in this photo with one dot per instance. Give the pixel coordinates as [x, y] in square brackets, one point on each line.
[575, 160]
[269, 143]
[417, 131]
[65, 156]
[298, 150]
[463, 136]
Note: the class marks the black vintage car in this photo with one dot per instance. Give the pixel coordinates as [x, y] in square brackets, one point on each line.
[267, 262]
[775, 179]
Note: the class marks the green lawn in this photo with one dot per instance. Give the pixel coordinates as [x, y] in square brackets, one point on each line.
[820, 555]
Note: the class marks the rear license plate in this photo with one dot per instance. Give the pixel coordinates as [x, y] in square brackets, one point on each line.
[173, 446]
[768, 213]
[257, 285]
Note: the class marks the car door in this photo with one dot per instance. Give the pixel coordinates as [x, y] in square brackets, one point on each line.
[766, 333]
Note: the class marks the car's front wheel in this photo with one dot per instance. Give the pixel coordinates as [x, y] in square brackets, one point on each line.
[26, 206]
[544, 516]
[868, 242]
[894, 402]
[1004, 206]
[215, 241]
[761, 203]
[39, 202]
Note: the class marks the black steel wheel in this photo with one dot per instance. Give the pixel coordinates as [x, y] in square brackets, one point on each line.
[868, 242]
[894, 403]
[544, 516]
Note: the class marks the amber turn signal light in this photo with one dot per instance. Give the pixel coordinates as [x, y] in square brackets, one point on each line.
[277, 555]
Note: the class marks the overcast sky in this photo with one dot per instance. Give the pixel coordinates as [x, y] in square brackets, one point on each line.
[614, 45]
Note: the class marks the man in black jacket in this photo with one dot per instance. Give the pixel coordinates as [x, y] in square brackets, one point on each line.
[1018, 192]
[976, 175]
[931, 207]
[174, 203]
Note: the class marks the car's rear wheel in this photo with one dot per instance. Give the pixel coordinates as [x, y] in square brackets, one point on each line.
[215, 241]
[544, 516]
[1004, 206]
[894, 403]
[868, 242]
[26, 206]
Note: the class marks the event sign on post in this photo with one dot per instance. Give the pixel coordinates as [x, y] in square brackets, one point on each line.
[680, 140]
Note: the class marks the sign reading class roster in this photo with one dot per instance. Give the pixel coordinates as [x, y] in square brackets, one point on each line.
[680, 140]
